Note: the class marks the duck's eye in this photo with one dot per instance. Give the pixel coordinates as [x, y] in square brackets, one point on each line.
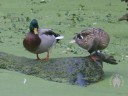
[79, 36]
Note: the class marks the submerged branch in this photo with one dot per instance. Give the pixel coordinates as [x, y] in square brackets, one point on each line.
[74, 70]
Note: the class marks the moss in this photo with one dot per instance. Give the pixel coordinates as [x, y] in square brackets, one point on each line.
[58, 70]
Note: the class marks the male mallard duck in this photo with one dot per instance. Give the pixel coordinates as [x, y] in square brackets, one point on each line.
[40, 40]
[92, 39]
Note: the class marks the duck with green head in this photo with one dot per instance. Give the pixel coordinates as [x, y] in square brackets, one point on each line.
[40, 40]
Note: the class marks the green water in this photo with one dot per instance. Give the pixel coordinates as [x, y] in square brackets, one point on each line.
[55, 14]
[12, 84]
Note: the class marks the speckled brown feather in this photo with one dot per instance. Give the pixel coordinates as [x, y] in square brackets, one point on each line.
[93, 39]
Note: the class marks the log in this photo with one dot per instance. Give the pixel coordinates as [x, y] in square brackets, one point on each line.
[73, 70]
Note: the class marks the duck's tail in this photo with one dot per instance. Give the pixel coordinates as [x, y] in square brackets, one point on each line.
[50, 32]
[59, 38]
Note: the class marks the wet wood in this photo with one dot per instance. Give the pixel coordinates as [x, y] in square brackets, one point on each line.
[73, 70]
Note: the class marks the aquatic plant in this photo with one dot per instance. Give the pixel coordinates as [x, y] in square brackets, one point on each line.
[76, 17]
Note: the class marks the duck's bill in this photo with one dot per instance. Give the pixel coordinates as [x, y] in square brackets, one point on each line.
[35, 30]
[60, 37]
[72, 41]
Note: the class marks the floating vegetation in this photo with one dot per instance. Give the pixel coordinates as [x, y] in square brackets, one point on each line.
[110, 18]
[27, 19]
[81, 7]
[37, 2]
[58, 14]
[33, 10]
[124, 17]
[76, 18]
[70, 48]
[43, 1]
[126, 1]
[1, 41]
[14, 23]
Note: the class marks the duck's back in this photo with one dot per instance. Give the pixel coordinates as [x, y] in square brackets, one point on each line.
[98, 35]
[92, 39]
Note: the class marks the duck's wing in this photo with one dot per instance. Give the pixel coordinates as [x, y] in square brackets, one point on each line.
[86, 32]
[94, 45]
[95, 31]
[87, 41]
[50, 32]
[44, 31]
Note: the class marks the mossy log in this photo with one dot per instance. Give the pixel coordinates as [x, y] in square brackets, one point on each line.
[74, 70]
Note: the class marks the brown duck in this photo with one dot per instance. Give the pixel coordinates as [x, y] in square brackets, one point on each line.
[40, 40]
[92, 39]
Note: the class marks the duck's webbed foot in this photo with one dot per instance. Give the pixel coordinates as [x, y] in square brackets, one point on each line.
[94, 57]
[47, 57]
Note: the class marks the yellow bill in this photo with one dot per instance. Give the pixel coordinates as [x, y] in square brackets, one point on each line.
[35, 31]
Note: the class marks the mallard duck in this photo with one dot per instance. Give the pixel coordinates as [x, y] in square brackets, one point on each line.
[92, 39]
[40, 40]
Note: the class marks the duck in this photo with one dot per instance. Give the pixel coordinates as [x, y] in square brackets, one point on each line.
[92, 39]
[40, 40]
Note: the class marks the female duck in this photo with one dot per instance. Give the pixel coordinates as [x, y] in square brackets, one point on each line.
[40, 40]
[92, 39]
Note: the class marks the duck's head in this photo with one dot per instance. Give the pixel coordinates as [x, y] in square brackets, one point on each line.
[34, 26]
